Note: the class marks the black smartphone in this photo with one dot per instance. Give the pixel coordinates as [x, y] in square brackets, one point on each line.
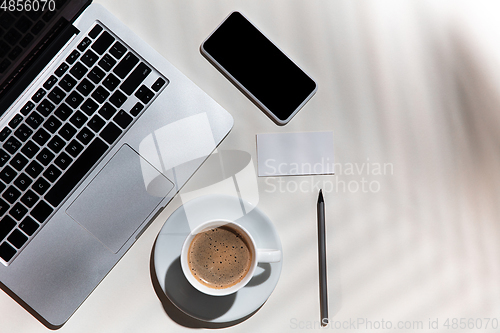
[258, 68]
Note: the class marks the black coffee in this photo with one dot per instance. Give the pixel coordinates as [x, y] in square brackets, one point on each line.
[220, 257]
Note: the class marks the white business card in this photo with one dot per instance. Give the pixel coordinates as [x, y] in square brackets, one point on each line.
[295, 154]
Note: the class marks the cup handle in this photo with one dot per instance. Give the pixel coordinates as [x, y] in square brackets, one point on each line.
[268, 255]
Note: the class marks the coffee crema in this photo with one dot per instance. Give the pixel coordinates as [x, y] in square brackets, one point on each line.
[220, 257]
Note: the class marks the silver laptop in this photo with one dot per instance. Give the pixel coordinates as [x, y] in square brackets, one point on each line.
[97, 133]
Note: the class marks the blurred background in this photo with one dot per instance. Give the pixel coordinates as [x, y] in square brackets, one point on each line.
[412, 85]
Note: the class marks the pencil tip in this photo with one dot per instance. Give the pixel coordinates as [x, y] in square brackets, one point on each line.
[320, 196]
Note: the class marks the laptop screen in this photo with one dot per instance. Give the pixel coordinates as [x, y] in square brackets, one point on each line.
[28, 29]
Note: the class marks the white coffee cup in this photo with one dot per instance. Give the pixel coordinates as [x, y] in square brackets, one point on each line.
[257, 255]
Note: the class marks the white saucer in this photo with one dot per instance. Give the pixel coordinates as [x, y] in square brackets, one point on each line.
[216, 309]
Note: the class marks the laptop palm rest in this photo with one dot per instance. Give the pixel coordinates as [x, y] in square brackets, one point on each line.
[120, 198]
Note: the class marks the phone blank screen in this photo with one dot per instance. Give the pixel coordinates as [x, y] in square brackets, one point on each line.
[259, 66]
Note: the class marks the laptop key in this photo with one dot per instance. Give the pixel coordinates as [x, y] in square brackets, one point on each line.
[29, 198]
[135, 79]
[56, 144]
[57, 95]
[40, 186]
[144, 94]
[95, 31]
[67, 83]
[26, 40]
[37, 28]
[78, 119]
[78, 70]
[89, 109]
[28, 226]
[63, 161]
[96, 123]
[76, 172]
[37, 97]
[103, 42]
[63, 112]
[85, 87]
[7, 251]
[17, 238]
[15, 121]
[6, 21]
[12, 36]
[96, 75]
[8, 174]
[100, 94]
[85, 136]
[23, 24]
[110, 133]
[67, 131]
[74, 99]
[61, 70]
[45, 156]
[4, 157]
[19, 162]
[50, 82]
[22, 182]
[4, 207]
[107, 111]
[45, 107]
[126, 65]
[6, 226]
[107, 62]
[12, 145]
[52, 124]
[41, 136]
[33, 169]
[111, 82]
[74, 148]
[11, 194]
[84, 44]
[41, 211]
[5, 133]
[4, 49]
[118, 50]
[30, 149]
[16, 51]
[89, 58]
[122, 119]
[118, 98]
[158, 84]
[18, 212]
[34, 120]
[27, 108]
[23, 132]
[72, 57]
[48, 15]
[52, 173]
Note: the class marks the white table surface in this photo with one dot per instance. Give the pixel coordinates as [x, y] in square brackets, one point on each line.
[412, 85]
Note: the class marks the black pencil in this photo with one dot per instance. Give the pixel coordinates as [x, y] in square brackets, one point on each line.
[323, 294]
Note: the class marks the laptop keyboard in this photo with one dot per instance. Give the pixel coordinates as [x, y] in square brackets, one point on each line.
[58, 136]
[18, 29]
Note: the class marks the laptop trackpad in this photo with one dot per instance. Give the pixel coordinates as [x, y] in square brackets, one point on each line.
[117, 201]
